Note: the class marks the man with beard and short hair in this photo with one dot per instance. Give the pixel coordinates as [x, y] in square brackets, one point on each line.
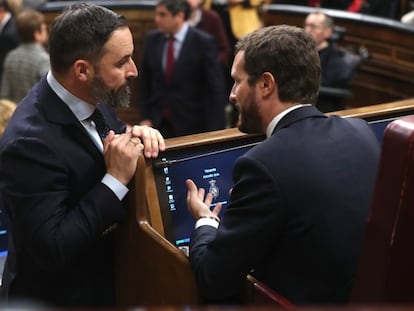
[62, 179]
[300, 199]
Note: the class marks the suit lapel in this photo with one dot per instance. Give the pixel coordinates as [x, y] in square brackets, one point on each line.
[56, 111]
[186, 47]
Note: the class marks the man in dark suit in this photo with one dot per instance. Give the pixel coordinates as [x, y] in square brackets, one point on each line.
[8, 32]
[335, 71]
[300, 200]
[192, 98]
[210, 22]
[63, 181]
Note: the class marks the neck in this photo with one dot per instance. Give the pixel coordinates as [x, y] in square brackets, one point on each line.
[324, 44]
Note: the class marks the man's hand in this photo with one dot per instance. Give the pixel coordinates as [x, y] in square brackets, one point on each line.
[121, 153]
[197, 204]
[151, 138]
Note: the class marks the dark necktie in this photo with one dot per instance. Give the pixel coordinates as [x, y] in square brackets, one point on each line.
[170, 58]
[100, 124]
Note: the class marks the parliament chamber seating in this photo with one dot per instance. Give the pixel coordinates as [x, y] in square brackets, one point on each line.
[387, 76]
[386, 272]
[150, 270]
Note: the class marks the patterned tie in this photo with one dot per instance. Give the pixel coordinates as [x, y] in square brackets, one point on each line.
[100, 124]
[170, 58]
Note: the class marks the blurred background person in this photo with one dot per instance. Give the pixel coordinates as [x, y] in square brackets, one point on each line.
[7, 108]
[181, 88]
[335, 71]
[8, 33]
[210, 22]
[29, 62]
[320, 26]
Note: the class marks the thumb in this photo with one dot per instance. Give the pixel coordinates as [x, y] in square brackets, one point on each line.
[108, 140]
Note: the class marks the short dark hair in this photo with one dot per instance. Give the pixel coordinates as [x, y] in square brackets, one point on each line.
[81, 32]
[27, 23]
[290, 55]
[176, 6]
[5, 4]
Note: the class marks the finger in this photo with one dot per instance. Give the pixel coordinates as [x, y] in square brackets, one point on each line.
[151, 138]
[135, 140]
[201, 193]
[208, 199]
[216, 210]
[108, 139]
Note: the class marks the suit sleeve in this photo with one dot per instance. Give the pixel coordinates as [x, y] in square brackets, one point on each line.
[53, 220]
[222, 258]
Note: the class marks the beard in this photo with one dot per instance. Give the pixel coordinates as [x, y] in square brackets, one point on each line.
[249, 120]
[104, 95]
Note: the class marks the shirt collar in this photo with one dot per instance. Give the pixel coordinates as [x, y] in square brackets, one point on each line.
[81, 109]
[180, 34]
[272, 125]
[4, 21]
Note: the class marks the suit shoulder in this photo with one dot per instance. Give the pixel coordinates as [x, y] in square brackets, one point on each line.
[200, 35]
[153, 35]
[210, 16]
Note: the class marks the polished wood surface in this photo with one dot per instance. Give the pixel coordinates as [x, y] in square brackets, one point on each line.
[379, 111]
[149, 269]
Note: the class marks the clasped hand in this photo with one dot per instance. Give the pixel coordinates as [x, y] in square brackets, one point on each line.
[121, 151]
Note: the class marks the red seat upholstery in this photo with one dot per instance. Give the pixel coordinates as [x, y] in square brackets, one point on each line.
[386, 268]
[260, 294]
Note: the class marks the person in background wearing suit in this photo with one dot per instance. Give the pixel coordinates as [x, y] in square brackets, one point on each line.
[8, 32]
[210, 22]
[181, 87]
[301, 197]
[65, 162]
[335, 71]
[29, 62]
[320, 26]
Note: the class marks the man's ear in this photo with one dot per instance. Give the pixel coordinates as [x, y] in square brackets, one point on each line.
[83, 70]
[268, 83]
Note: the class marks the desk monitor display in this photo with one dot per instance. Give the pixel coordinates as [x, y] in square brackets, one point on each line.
[210, 169]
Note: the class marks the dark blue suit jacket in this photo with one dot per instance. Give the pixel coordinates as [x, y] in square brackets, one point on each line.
[297, 214]
[8, 41]
[61, 215]
[196, 92]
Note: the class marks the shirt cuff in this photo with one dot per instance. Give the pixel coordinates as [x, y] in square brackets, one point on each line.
[115, 185]
[206, 222]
